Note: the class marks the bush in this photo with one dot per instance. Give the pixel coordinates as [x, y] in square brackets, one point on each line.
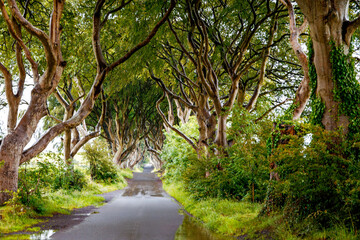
[240, 173]
[320, 182]
[177, 153]
[70, 179]
[47, 172]
[101, 166]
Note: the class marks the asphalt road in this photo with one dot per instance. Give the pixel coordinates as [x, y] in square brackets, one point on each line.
[143, 211]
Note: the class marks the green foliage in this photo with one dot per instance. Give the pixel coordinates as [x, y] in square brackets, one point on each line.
[70, 179]
[47, 173]
[288, 114]
[319, 188]
[177, 153]
[347, 88]
[317, 106]
[240, 174]
[272, 142]
[312, 69]
[101, 166]
[222, 216]
[249, 153]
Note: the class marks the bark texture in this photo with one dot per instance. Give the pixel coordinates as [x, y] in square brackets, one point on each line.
[303, 92]
[328, 21]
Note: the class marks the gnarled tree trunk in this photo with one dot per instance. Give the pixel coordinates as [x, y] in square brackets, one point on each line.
[329, 24]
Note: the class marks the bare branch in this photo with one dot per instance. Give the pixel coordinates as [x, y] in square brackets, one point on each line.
[17, 37]
[122, 5]
[187, 139]
[101, 63]
[303, 92]
[82, 142]
[271, 109]
[265, 56]
[50, 52]
[350, 28]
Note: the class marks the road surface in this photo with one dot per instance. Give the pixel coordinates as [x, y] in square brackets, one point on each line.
[143, 211]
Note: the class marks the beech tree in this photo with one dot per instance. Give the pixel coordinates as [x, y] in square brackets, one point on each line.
[335, 89]
[130, 117]
[303, 92]
[214, 63]
[46, 78]
[154, 142]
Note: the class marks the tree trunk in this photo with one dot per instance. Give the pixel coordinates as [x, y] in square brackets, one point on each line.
[327, 21]
[182, 113]
[67, 146]
[14, 143]
[221, 139]
[8, 176]
[171, 117]
[207, 129]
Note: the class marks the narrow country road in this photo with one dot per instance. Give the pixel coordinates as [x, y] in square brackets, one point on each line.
[142, 212]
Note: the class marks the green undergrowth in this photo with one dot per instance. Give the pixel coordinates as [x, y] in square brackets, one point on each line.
[228, 217]
[243, 219]
[127, 173]
[15, 216]
[137, 169]
[16, 237]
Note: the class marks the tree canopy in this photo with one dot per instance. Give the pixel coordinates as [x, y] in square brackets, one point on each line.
[136, 73]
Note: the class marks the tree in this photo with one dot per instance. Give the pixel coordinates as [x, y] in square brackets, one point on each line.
[219, 55]
[303, 92]
[78, 136]
[12, 151]
[131, 117]
[335, 89]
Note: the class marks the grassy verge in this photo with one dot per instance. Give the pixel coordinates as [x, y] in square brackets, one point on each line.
[234, 218]
[222, 216]
[17, 217]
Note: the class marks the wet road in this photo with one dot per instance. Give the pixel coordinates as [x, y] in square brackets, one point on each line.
[143, 211]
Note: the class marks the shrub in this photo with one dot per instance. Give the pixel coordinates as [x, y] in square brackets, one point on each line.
[47, 172]
[320, 181]
[70, 179]
[240, 173]
[177, 153]
[101, 166]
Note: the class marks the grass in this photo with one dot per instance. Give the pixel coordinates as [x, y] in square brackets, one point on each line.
[226, 217]
[17, 217]
[240, 218]
[126, 173]
[16, 237]
[137, 169]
